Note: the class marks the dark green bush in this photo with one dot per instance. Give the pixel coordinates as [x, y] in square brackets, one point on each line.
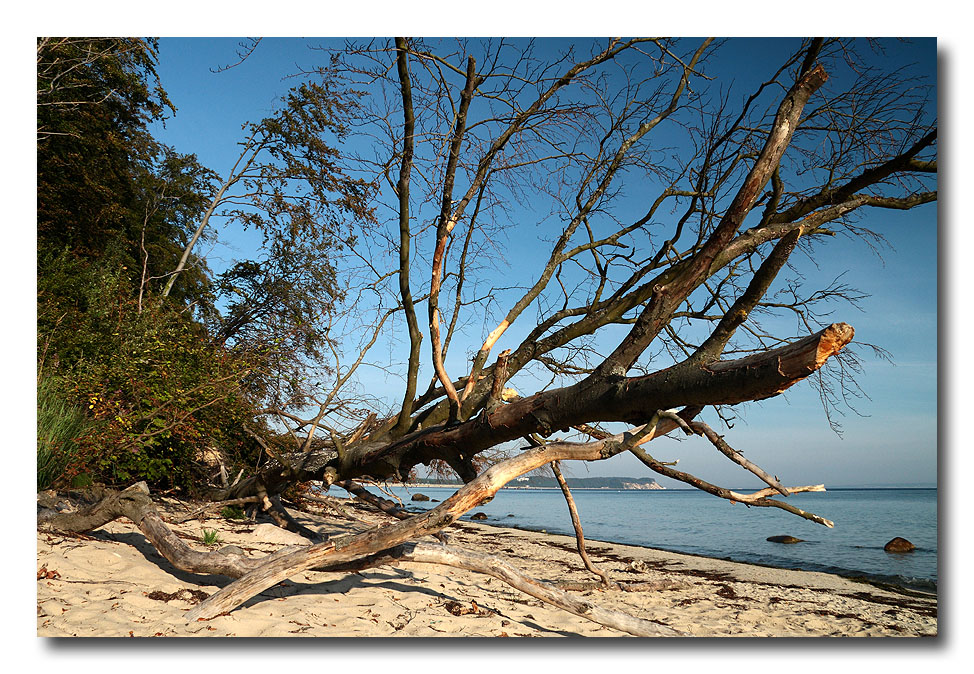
[156, 387]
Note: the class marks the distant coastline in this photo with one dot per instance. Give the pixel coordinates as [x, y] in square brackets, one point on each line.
[543, 482]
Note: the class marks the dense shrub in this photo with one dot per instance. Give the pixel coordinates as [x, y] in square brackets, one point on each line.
[164, 373]
[155, 388]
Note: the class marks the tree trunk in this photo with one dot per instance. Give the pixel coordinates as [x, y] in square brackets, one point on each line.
[631, 400]
[347, 548]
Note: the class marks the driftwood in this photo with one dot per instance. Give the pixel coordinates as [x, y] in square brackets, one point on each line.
[775, 370]
[350, 547]
[749, 378]
[621, 399]
[390, 543]
[577, 525]
[135, 504]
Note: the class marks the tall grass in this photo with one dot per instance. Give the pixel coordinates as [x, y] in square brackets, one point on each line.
[59, 425]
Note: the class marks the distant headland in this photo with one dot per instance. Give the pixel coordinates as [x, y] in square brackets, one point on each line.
[544, 482]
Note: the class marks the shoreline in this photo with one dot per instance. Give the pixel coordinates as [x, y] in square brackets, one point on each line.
[114, 584]
[875, 581]
[919, 586]
[455, 487]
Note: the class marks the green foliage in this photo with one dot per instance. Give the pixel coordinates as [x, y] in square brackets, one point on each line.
[95, 99]
[115, 210]
[158, 386]
[210, 537]
[107, 192]
[298, 197]
[161, 390]
[232, 513]
[159, 379]
[59, 427]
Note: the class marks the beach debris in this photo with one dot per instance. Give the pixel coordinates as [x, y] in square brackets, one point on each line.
[727, 592]
[185, 594]
[638, 566]
[458, 609]
[784, 539]
[899, 545]
[44, 574]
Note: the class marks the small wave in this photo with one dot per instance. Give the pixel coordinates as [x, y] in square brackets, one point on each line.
[907, 582]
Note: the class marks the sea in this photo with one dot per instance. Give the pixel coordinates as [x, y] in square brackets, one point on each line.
[693, 522]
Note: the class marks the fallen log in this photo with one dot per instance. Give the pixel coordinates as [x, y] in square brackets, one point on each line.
[136, 505]
[350, 547]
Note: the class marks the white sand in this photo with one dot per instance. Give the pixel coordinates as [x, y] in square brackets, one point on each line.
[104, 585]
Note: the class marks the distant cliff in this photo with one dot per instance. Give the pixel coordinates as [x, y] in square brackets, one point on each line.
[543, 482]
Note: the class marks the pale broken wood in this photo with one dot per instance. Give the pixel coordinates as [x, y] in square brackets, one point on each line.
[134, 503]
[350, 547]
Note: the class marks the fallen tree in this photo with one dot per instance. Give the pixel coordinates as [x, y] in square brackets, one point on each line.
[643, 322]
[383, 544]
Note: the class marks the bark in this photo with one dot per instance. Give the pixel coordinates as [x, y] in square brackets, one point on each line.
[717, 441]
[672, 291]
[742, 307]
[402, 189]
[577, 525]
[625, 399]
[349, 548]
[135, 504]
[558, 255]
[759, 499]
[613, 398]
[447, 221]
[867, 178]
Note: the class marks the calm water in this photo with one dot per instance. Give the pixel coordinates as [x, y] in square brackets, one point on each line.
[694, 522]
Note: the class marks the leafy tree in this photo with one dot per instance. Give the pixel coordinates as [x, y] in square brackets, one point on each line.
[107, 192]
[115, 208]
[289, 185]
[168, 368]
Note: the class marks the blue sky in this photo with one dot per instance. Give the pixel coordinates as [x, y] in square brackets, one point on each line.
[894, 443]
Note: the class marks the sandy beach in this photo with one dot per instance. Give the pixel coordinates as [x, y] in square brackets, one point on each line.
[112, 583]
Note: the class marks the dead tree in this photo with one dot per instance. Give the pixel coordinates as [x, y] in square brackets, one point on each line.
[470, 139]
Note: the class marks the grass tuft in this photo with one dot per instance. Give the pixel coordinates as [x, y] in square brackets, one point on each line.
[59, 425]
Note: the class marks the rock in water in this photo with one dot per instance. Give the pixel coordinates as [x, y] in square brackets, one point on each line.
[899, 545]
[784, 539]
[478, 516]
[420, 497]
